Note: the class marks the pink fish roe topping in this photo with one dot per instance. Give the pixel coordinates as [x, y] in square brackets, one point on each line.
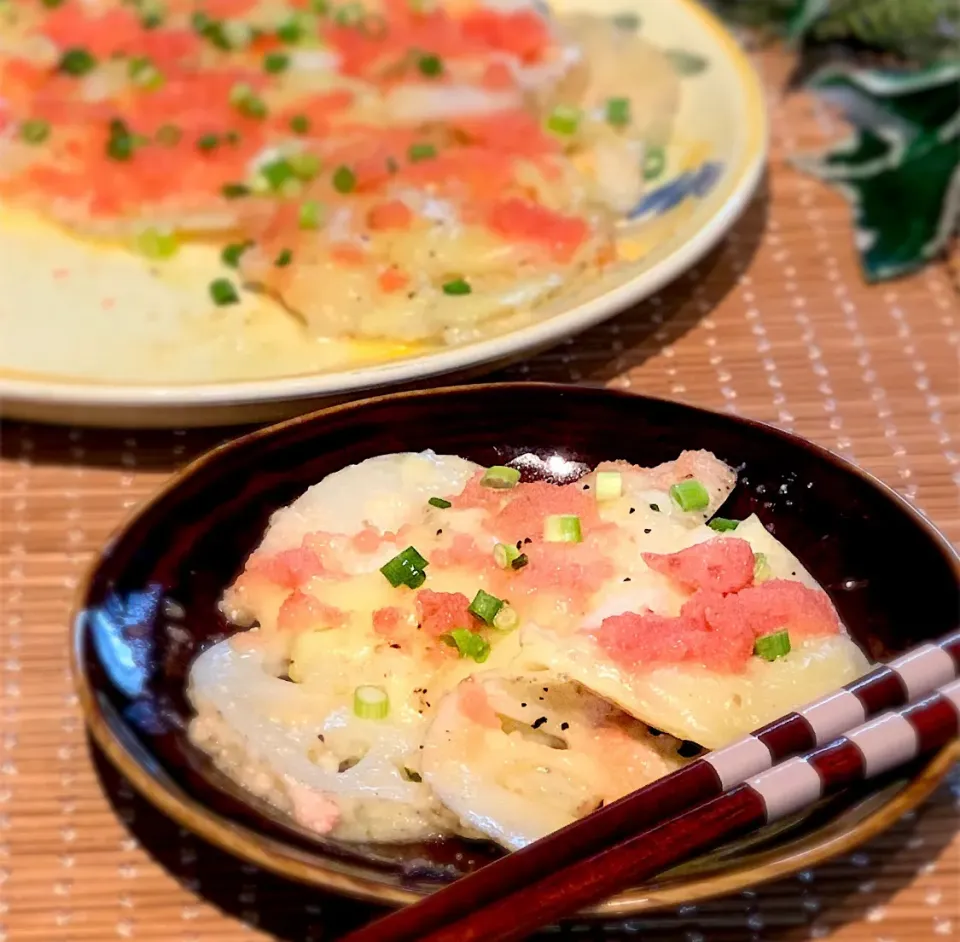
[650, 640]
[779, 603]
[723, 564]
[462, 551]
[718, 630]
[389, 621]
[289, 568]
[368, 540]
[475, 706]
[303, 612]
[440, 612]
[313, 809]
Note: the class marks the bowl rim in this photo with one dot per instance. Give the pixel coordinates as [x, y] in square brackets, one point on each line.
[245, 843]
[20, 390]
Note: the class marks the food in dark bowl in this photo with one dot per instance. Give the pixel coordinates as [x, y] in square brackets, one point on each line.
[553, 629]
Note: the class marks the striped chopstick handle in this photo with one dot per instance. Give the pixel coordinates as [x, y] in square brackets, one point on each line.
[876, 746]
[883, 743]
[914, 675]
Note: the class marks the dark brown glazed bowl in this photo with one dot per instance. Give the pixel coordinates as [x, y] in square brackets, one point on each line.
[149, 605]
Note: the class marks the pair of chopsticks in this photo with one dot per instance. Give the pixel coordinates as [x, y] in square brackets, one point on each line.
[780, 769]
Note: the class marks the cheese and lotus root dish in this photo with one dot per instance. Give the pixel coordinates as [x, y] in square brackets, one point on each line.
[433, 648]
[418, 171]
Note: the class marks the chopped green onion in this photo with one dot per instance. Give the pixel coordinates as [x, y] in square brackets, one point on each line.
[370, 703]
[223, 292]
[76, 62]
[275, 62]
[155, 244]
[468, 643]
[240, 92]
[237, 34]
[562, 528]
[564, 119]
[151, 20]
[690, 495]
[654, 163]
[234, 190]
[629, 22]
[310, 215]
[245, 100]
[609, 485]
[418, 152]
[230, 256]
[121, 142]
[773, 645]
[320, 7]
[457, 287]
[169, 135]
[521, 561]
[406, 568]
[439, 502]
[344, 180]
[723, 525]
[506, 619]
[292, 31]
[430, 65]
[305, 165]
[208, 142]
[485, 606]
[34, 132]
[253, 108]
[52, 4]
[618, 112]
[273, 175]
[144, 74]
[299, 124]
[500, 477]
[211, 30]
[761, 568]
[504, 554]
[284, 258]
[350, 14]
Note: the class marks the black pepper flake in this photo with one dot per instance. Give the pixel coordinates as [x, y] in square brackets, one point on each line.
[439, 532]
[586, 487]
[519, 543]
[627, 579]
[320, 737]
[523, 704]
[633, 510]
[528, 540]
[647, 530]
[538, 722]
[539, 698]
[655, 508]
[396, 647]
[564, 726]
[546, 689]
[792, 573]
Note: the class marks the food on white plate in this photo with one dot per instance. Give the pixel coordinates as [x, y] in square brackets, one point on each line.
[434, 648]
[387, 171]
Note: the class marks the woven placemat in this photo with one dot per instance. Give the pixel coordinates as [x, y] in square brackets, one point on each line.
[776, 324]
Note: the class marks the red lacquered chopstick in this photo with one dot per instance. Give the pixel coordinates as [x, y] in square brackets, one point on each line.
[911, 676]
[877, 746]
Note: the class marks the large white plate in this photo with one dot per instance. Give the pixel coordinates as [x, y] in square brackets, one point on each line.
[104, 372]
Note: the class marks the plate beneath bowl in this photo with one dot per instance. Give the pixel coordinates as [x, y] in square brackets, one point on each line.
[149, 606]
[103, 369]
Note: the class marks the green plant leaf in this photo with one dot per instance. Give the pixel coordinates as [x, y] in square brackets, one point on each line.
[901, 169]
